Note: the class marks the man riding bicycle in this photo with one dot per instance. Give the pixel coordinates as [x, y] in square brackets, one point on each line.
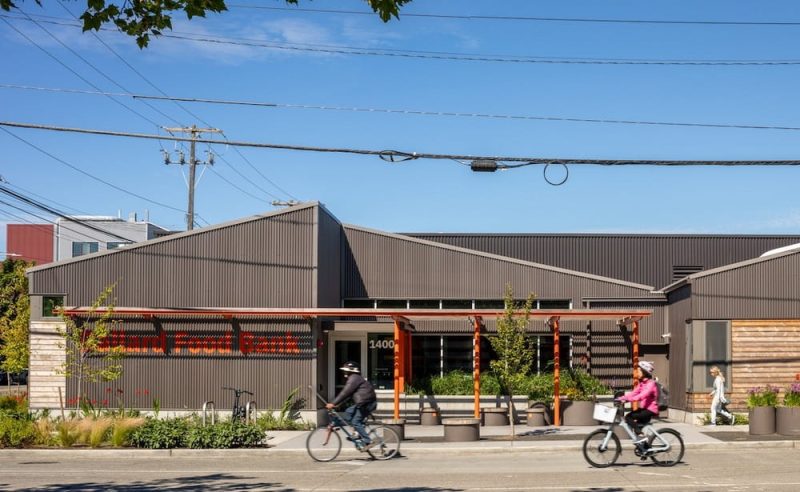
[364, 401]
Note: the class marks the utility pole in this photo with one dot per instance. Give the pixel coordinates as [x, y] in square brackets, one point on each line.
[195, 133]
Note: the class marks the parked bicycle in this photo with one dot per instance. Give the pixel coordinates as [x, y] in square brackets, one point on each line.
[324, 443]
[602, 447]
[239, 412]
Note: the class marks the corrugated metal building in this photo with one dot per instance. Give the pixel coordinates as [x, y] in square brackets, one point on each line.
[302, 257]
[30, 242]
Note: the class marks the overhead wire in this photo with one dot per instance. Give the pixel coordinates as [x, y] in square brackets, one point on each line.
[527, 18]
[412, 112]
[516, 160]
[449, 56]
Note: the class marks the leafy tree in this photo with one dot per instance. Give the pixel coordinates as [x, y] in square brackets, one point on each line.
[14, 317]
[513, 349]
[83, 345]
[141, 18]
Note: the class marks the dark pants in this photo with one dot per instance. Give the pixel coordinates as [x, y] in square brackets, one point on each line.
[638, 418]
[355, 416]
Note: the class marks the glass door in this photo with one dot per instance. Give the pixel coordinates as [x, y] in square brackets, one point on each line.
[344, 351]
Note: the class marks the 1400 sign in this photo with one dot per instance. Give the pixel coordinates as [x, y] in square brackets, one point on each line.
[188, 343]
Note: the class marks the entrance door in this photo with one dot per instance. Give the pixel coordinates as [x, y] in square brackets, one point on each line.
[344, 351]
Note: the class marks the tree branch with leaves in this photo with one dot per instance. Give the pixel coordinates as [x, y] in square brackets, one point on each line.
[142, 18]
[14, 317]
[85, 345]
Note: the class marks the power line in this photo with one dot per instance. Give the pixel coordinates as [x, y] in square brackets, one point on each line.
[75, 168]
[400, 156]
[50, 210]
[449, 56]
[413, 112]
[527, 18]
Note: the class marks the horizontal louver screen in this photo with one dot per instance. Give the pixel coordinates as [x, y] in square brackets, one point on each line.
[680, 271]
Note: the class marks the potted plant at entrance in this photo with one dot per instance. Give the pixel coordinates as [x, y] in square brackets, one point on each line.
[787, 417]
[580, 391]
[761, 402]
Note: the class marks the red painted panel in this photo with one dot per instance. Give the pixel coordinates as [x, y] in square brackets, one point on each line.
[33, 242]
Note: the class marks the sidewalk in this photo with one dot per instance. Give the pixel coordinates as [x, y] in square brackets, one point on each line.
[420, 438]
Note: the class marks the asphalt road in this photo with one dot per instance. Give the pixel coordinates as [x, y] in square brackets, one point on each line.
[734, 469]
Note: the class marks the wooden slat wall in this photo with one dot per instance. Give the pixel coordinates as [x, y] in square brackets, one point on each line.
[47, 355]
[763, 352]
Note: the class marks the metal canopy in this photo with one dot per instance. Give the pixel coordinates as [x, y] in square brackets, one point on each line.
[402, 327]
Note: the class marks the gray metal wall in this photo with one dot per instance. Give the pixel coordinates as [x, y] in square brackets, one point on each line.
[266, 261]
[680, 310]
[329, 258]
[644, 259]
[764, 290]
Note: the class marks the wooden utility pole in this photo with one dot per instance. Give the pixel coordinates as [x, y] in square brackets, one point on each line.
[194, 132]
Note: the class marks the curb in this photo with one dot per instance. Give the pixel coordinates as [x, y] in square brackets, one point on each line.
[407, 449]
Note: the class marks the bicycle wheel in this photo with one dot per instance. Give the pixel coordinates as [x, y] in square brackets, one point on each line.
[672, 456]
[593, 452]
[387, 442]
[323, 444]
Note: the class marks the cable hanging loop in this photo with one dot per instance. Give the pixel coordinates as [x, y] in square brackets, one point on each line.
[397, 156]
[555, 183]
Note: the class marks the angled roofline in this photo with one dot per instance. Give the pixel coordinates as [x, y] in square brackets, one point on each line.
[665, 235]
[506, 259]
[732, 266]
[173, 237]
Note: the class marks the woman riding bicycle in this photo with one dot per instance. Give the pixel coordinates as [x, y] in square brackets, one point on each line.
[646, 393]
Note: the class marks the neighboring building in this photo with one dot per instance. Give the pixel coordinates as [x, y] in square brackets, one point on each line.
[77, 236]
[30, 242]
[303, 257]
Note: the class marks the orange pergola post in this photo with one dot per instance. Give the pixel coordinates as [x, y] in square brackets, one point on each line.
[407, 356]
[476, 371]
[635, 357]
[556, 374]
[398, 356]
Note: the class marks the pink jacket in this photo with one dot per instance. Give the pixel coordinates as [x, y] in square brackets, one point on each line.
[646, 394]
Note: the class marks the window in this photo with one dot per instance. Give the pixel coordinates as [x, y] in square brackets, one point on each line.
[554, 304]
[380, 360]
[49, 305]
[115, 245]
[710, 346]
[391, 304]
[456, 304]
[423, 304]
[358, 303]
[426, 355]
[79, 249]
[490, 304]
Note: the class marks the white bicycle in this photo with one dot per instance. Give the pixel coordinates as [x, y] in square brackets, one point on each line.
[602, 447]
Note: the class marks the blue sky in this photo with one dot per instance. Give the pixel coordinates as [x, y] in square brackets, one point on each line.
[424, 195]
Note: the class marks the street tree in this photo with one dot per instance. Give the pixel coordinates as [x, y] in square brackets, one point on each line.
[140, 18]
[87, 360]
[14, 317]
[513, 349]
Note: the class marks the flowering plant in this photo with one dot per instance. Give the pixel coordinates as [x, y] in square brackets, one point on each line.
[792, 396]
[766, 396]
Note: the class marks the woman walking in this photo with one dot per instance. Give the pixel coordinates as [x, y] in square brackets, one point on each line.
[718, 397]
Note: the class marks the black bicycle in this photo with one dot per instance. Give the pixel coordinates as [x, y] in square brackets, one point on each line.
[239, 412]
[325, 443]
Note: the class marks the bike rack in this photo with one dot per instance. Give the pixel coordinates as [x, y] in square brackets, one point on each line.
[250, 409]
[209, 407]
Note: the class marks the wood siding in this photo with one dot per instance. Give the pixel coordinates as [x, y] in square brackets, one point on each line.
[47, 356]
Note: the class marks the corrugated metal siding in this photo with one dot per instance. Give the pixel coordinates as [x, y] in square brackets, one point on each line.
[680, 310]
[265, 262]
[32, 242]
[329, 247]
[644, 259]
[183, 381]
[765, 290]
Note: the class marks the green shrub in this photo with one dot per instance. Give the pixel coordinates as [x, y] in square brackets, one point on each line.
[223, 435]
[792, 396]
[123, 428]
[14, 406]
[578, 384]
[540, 387]
[762, 397]
[16, 432]
[741, 419]
[161, 434]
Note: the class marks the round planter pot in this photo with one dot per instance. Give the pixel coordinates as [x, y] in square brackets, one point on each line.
[494, 416]
[762, 420]
[430, 416]
[787, 421]
[577, 413]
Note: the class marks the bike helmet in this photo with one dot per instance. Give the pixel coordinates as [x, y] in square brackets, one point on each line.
[350, 366]
[646, 366]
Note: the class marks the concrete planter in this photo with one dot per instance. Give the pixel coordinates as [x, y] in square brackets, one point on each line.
[787, 421]
[577, 412]
[494, 416]
[762, 420]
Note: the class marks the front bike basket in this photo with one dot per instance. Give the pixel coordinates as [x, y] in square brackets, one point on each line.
[604, 413]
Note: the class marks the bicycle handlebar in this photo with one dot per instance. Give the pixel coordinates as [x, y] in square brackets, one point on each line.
[238, 391]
